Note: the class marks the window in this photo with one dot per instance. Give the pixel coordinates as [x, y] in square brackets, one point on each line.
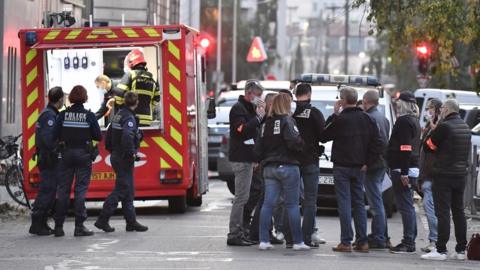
[62, 71]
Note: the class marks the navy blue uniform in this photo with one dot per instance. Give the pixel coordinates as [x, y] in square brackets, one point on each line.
[75, 128]
[124, 140]
[47, 160]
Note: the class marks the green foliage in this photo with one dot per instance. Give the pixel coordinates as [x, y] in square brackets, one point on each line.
[450, 27]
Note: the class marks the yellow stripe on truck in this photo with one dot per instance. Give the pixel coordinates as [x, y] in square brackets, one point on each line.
[175, 92]
[172, 152]
[32, 118]
[73, 34]
[32, 97]
[174, 71]
[32, 75]
[52, 35]
[30, 55]
[151, 32]
[31, 141]
[177, 136]
[174, 50]
[175, 114]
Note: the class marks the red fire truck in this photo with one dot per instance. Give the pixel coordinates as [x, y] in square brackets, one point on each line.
[173, 153]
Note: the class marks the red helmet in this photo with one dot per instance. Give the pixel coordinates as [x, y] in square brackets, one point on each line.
[134, 58]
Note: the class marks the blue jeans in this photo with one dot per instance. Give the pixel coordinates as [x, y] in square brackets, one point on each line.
[286, 179]
[373, 190]
[75, 163]
[404, 200]
[349, 191]
[309, 175]
[429, 208]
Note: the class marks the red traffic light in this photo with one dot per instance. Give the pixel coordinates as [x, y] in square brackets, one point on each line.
[204, 42]
[423, 50]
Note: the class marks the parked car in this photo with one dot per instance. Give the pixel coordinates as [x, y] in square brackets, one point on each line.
[424, 95]
[324, 95]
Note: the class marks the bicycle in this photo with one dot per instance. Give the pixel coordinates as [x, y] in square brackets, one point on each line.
[10, 153]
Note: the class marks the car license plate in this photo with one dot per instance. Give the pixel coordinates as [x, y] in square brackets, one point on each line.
[325, 180]
[214, 139]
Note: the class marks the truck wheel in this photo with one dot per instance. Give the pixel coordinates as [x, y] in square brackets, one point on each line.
[177, 205]
[194, 201]
[388, 202]
[231, 185]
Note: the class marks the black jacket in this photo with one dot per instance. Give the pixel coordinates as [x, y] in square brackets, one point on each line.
[404, 146]
[356, 141]
[243, 130]
[310, 122]
[279, 141]
[427, 157]
[451, 143]
[125, 135]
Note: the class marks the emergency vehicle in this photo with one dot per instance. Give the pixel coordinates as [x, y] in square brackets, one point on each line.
[173, 153]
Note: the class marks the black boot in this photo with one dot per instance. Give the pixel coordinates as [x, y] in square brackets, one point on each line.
[102, 224]
[81, 230]
[45, 225]
[135, 226]
[58, 231]
[38, 228]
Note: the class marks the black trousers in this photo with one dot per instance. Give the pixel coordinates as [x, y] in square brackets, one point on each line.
[448, 195]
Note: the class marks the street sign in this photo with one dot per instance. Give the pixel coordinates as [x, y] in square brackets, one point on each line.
[423, 80]
[257, 51]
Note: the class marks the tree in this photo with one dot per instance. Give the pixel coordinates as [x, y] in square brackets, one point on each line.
[451, 27]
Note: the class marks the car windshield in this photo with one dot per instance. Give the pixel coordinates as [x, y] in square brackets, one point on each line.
[326, 107]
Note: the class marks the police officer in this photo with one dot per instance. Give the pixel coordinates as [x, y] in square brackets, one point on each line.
[123, 139]
[75, 128]
[310, 123]
[47, 163]
[140, 81]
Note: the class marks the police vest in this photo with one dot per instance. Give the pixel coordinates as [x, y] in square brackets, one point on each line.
[75, 127]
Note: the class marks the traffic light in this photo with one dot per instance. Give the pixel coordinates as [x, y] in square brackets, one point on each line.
[423, 52]
[205, 41]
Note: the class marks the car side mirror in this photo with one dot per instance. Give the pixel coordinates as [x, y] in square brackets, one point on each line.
[211, 111]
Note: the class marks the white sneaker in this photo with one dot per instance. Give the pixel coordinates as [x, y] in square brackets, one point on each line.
[435, 256]
[280, 236]
[301, 246]
[317, 239]
[458, 256]
[429, 248]
[265, 246]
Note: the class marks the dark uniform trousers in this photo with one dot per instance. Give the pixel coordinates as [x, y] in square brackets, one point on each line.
[46, 194]
[75, 162]
[448, 194]
[124, 190]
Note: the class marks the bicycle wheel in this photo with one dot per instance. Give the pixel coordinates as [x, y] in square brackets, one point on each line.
[14, 185]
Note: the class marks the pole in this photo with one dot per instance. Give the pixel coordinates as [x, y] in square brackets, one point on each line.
[219, 46]
[345, 68]
[234, 46]
[91, 20]
[123, 19]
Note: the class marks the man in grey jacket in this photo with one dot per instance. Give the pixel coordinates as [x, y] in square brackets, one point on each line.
[375, 174]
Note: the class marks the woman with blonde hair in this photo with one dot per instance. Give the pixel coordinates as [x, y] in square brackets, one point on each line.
[276, 146]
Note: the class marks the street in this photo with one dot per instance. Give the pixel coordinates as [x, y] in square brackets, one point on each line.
[195, 240]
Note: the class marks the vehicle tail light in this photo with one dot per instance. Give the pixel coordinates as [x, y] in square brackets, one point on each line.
[170, 176]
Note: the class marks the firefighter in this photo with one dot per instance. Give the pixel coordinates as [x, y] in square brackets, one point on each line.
[104, 85]
[123, 139]
[75, 128]
[47, 163]
[140, 81]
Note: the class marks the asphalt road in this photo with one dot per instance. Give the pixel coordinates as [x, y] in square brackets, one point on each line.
[195, 240]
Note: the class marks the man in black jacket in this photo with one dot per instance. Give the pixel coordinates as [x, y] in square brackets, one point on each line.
[310, 122]
[451, 143]
[245, 118]
[356, 145]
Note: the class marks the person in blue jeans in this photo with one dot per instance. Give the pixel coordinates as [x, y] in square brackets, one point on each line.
[403, 155]
[356, 146]
[277, 146]
[311, 124]
[426, 174]
[376, 173]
